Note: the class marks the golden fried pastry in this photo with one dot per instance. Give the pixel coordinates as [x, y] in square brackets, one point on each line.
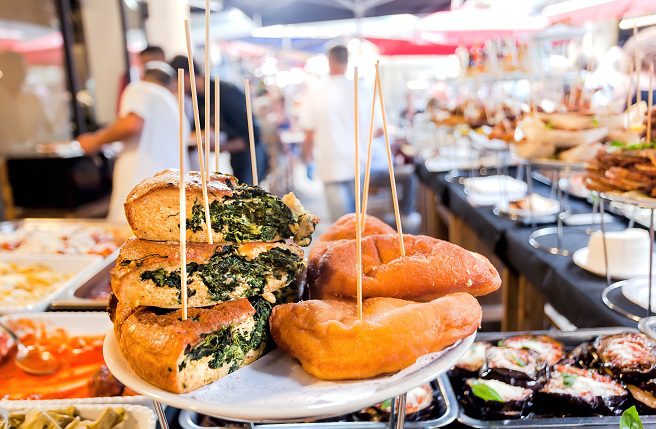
[333, 344]
[344, 229]
[431, 268]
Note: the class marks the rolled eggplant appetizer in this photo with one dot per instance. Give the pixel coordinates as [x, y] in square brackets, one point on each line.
[630, 357]
[583, 356]
[575, 391]
[472, 362]
[517, 367]
[548, 349]
[495, 400]
[644, 396]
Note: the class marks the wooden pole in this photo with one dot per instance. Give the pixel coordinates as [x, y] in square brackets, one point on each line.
[367, 171]
[207, 90]
[251, 134]
[217, 122]
[199, 140]
[628, 97]
[358, 231]
[390, 163]
[183, 202]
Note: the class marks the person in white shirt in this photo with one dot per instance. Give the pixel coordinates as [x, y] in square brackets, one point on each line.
[148, 127]
[326, 116]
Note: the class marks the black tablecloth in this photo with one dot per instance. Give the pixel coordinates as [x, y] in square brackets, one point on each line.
[572, 291]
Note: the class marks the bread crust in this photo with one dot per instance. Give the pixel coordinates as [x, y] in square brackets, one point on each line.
[152, 207]
[344, 229]
[138, 256]
[332, 344]
[431, 268]
[154, 344]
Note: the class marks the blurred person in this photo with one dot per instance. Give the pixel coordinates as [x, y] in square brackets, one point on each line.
[233, 121]
[148, 127]
[24, 120]
[134, 73]
[326, 117]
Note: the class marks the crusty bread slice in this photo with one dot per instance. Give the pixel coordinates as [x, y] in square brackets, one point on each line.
[239, 213]
[181, 356]
[148, 272]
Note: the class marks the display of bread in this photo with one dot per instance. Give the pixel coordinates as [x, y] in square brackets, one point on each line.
[344, 229]
[181, 356]
[332, 343]
[232, 285]
[148, 273]
[239, 213]
[430, 269]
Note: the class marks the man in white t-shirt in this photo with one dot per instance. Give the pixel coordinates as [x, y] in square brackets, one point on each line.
[148, 127]
[326, 116]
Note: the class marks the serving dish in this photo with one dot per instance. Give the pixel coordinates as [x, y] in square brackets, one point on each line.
[275, 388]
[80, 269]
[136, 416]
[445, 411]
[570, 340]
[93, 294]
[75, 324]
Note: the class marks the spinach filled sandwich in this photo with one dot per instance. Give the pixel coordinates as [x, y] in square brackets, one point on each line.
[232, 285]
[147, 273]
[238, 212]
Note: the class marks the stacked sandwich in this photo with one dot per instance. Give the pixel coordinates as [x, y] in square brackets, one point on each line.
[414, 304]
[231, 284]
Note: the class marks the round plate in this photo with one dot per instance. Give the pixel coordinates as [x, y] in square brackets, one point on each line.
[636, 290]
[276, 388]
[581, 255]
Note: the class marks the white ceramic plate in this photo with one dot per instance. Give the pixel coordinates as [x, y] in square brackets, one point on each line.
[75, 323]
[276, 388]
[82, 269]
[136, 416]
[581, 255]
[445, 163]
[637, 291]
[550, 207]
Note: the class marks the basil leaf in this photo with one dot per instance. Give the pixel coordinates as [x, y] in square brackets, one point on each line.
[485, 392]
[630, 419]
[569, 379]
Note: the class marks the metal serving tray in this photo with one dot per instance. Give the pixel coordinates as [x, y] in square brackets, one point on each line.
[80, 298]
[570, 340]
[446, 396]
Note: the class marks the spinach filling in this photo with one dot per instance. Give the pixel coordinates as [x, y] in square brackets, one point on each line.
[226, 271]
[249, 214]
[230, 344]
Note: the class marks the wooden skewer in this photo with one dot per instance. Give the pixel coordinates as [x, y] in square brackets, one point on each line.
[207, 90]
[199, 140]
[390, 163]
[217, 122]
[628, 98]
[183, 202]
[638, 66]
[650, 101]
[358, 231]
[367, 171]
[251, 134]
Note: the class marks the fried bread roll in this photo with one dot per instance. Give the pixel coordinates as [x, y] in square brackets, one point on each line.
[181, 356]
[148, 273]
[344, 229]
[333, 344]
[430, 269]
[239, 213]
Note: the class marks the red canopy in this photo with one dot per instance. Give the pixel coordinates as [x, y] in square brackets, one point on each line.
[578, 12]
[394, 47]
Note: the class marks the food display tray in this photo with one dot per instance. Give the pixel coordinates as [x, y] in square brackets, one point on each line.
[136, 416]
[76, 298]
[570, 340]
[444, 398]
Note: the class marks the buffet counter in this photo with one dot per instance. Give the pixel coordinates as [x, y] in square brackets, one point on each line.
[531, 277]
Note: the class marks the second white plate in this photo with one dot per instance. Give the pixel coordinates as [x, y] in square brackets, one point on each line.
[580, 256]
